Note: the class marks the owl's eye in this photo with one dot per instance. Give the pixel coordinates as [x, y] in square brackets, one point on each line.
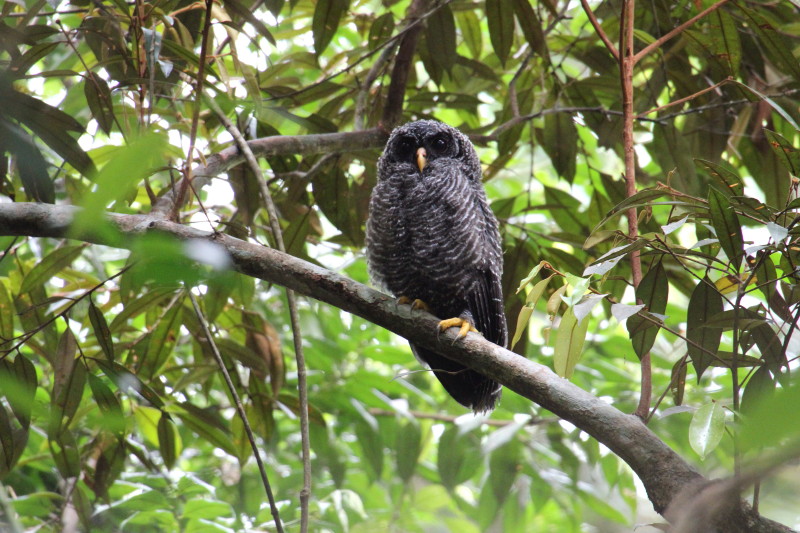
[440, 144]
[405, 148]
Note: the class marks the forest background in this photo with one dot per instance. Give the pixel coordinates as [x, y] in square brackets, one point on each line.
[158, 157]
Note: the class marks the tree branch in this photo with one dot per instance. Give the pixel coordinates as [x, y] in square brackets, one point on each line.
[599, 30]
[663, 472]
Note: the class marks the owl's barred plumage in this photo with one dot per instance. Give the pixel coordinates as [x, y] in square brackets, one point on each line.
[432, 236]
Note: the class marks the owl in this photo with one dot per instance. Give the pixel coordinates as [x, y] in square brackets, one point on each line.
[431, 239]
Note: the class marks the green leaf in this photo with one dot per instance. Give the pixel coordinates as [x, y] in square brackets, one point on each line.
[522, 323]
[37, 504]
[653, 291]
[724, 40]
[204, 509]
[126, 167]
[470, 27]
[325, 22]
[49, 124]
[65, 453]
[500, 17]
[641, 198]
[610, 259]
[770, 346]
[604, 507]
[68, 382]
[248, 357]
[673, 152]
[145, 302]
[568, 347]
[678, 381]
[49, 266]
[101, 331]
[161, 341]
[7, 448]
[205, 427]
[759, 389]
[772, 415]
[776, 45]
[30, 163]
[371, 443]
[779, 109]
[169, 442]
[787, 154]
[531, 26]
[565, 210]
[767, 279]
[532, 274]
[98, 96]
[707, 428]
[129, 382]
[247, 13]
[504, 465]
[559, 138]
[409, 447]
[705, 303]
[441, 37]
[147, 421]
[381, 30]
[726, 224]
[730, 182]
[113, 418]
[24, 389]
[7, 313]
[536, 292]
[458, 457]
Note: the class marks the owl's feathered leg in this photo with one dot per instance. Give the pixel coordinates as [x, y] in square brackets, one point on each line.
[465, 326]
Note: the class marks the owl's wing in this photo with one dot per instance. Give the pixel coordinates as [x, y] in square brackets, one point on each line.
[485, 303]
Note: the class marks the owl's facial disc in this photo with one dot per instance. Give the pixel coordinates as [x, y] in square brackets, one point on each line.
[422, 158]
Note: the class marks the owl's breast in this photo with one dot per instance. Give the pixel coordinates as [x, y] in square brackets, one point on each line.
[425, 235]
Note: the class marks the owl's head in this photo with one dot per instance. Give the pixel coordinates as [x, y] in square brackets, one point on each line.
[417, 145]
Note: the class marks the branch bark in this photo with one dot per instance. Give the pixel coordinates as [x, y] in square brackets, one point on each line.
[665, 475]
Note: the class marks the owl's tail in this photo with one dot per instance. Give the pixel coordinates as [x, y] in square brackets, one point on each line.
[467, 387]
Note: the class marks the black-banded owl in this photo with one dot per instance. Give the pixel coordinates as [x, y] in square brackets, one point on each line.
[432, 237]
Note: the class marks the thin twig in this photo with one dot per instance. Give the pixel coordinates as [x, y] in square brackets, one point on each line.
[512, 85]
[302, 387]
[187, 168]
[389, 42]
[403, 62]
[626, 64]
[25, 337]
[599, 30]
[239, 410]
[8, 511]
[686, 98]
[363, 95]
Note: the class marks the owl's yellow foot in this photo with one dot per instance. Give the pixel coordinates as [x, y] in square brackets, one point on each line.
[415, 304]
[464, 325]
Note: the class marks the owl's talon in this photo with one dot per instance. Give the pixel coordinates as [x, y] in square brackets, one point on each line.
[464, 325]
[419, 304]
[415, 304]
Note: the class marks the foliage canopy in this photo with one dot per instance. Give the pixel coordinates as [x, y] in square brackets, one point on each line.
[113, 411]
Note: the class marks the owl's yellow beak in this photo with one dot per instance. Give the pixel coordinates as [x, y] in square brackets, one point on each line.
[422, 158]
